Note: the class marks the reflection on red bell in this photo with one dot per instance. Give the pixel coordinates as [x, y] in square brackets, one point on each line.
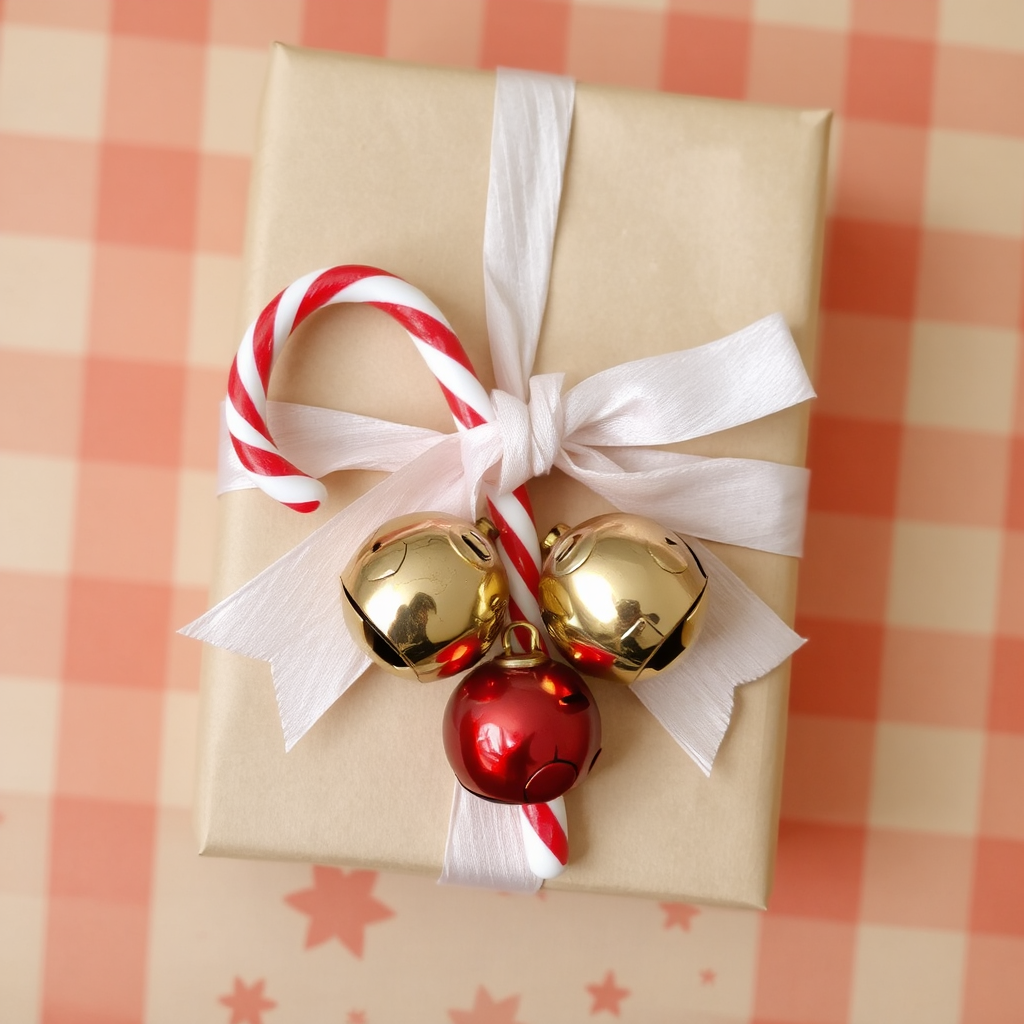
[522, 729]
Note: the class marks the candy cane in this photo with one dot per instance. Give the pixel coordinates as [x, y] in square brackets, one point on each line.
[470, 405]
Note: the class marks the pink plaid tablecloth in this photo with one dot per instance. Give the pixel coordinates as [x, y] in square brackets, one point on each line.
[126, 128]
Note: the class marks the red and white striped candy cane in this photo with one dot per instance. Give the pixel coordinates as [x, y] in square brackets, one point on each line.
[543, 824]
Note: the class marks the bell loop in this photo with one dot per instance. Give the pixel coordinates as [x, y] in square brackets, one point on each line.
[506, 636]
[512, 659]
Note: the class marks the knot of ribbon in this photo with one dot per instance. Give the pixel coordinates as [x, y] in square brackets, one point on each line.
[530, 433]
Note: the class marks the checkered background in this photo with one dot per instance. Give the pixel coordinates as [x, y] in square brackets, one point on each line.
[126, 129]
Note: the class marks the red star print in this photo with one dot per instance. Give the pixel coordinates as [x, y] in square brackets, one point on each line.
[707, 976]
[356, 1017]
[680, 914]
[607, 995]
[339, 907]
[486, 1011]
[247, 1002]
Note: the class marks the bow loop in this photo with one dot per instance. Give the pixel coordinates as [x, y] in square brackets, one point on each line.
[531, 434]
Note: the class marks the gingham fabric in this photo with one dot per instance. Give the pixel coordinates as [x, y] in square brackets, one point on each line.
[126, 129]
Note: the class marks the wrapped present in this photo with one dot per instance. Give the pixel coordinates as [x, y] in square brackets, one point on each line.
[681, 221]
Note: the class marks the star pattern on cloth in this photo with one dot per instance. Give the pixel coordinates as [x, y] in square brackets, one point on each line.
[486, 1010]
[707, 976]
[607, 995]
[247, 1002]
[340, 906]
[679, 914]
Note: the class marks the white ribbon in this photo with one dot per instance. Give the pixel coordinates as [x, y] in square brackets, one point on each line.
[739, 501]
[592, 433]
[598, 432]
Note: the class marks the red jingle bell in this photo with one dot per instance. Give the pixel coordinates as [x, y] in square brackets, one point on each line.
[522, 729]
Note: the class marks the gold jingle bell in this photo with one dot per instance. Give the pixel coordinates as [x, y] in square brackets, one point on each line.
[426, 595]
[621, 596]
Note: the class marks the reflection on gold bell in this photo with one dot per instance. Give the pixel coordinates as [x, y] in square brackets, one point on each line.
[426, 595]
[621, 596]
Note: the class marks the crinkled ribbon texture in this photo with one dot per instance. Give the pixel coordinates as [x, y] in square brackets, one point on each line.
[600, 432]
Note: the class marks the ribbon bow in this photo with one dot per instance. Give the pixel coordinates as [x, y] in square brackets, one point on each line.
[593, 434]
[290, 614]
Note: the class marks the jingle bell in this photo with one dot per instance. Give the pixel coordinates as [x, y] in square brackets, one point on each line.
[426, 595]
[621, 596]
[521, 728]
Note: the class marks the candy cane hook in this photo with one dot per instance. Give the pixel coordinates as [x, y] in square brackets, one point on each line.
[544, 824]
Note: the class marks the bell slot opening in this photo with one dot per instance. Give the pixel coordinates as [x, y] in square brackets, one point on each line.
[576, 701]
[476, 544]
[567, 549]
[381, 646]
[672, 646]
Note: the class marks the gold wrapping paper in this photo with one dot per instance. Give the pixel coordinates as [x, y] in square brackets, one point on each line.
[682, 219]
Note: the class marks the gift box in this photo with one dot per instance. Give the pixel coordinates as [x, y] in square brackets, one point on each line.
[681, 220]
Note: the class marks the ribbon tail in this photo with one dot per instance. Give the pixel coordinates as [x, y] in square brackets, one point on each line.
[742, 640]
[295, 623]
[290, 614]
[485, 846]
